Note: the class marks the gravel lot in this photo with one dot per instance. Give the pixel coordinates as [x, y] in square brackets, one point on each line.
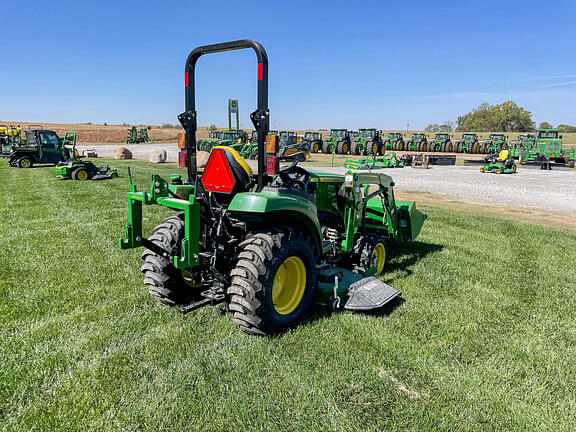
[531, 188]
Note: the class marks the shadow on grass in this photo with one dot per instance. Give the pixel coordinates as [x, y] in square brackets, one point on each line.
[405, 256]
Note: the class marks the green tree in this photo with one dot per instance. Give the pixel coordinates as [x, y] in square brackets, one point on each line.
[545, 125]
[566, 128]
[506, 117]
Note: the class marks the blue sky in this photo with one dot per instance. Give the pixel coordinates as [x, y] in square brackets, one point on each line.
[382, 64]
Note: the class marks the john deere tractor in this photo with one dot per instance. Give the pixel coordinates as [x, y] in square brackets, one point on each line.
[495, 144]
[417, 142]
[337, 142]
[468, 143]
[395, 141]
[267, 244]
[314, 140]
[367, 142]
[545, 149]
[442, 142]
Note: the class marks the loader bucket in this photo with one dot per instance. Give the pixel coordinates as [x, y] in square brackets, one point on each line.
[411, 220]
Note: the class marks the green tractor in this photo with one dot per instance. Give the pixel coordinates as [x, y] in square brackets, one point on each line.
[270, 244]
[41, 147]
[442, 142]
[501, 163]
[495, 144]
[77, 169]
[417, 142]
[337, 142]
[314, 140]
[546, 149]
[367, 142]
[468, 143]
[395, 141]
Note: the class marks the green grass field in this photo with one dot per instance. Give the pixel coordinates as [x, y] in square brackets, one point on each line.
[484, 339]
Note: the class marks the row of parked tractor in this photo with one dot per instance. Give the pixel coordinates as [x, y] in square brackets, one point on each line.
[371, 142]
[543, 146]
[39, 146]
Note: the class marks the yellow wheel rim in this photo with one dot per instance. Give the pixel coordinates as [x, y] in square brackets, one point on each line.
[289, 285]
[25, 163]
[315, 148]
[374, 148]
[379, 258]
[82, 175]
[345, 148]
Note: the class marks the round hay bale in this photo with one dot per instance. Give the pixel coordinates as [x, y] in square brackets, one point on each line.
[157, 156]
[122, 153]
[202, 158]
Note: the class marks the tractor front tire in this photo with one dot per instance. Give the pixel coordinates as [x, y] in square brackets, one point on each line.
[369, 251]
[164, 281]
[80, 174]
[273, 283]
[24, 162]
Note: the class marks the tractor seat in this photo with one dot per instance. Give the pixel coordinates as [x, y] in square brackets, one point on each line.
[503, 155]
[226, 172]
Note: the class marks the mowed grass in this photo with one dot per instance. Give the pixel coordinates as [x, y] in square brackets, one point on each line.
[484, 339]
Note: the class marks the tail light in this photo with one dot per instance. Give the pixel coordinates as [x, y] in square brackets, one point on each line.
[271, 165]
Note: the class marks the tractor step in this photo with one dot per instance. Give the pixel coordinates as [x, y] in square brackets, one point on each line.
[368, 294]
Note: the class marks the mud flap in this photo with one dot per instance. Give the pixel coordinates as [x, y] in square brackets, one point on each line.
[368, 294]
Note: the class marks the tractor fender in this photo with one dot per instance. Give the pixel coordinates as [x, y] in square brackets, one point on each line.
[272, 208]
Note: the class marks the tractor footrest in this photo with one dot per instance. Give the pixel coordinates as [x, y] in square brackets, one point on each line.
[369, 293]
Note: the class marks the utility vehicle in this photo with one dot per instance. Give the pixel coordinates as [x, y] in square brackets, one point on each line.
[41, 147]
[267, 244]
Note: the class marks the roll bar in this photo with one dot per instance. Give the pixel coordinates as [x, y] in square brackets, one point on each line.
[260, 117]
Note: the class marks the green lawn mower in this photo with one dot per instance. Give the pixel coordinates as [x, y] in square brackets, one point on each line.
[389, 160]
[77, 169]
[270, 244]
[501, 163]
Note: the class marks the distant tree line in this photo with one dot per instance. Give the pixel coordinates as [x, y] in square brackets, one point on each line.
[505, 117]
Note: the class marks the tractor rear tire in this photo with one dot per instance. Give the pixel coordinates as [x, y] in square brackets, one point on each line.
[343, 147]
[354, 148]
[316, 147]
[372, 149]
[325, 148]
[268, 265]
[80, 174]
[571, 164]
[24, 162]
[164, 281]
[370, 250]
